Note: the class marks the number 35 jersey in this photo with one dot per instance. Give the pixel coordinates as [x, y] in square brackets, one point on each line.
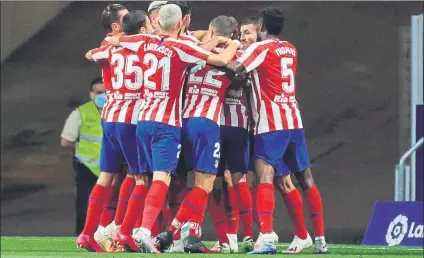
[165, 62]
[272, 65]
[205, 94]
[124, 94]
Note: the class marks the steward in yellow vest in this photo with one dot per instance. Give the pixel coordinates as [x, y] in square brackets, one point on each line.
[90, 139]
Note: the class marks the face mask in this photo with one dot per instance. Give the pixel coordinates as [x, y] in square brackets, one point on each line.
[100, 100]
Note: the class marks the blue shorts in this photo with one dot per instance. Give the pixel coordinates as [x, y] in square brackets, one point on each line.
[200, 139]
[158, 146]
[285, 150]
[118, 147]
[234, 150]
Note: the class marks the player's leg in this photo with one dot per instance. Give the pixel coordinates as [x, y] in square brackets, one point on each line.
[203, 157]
[313, 199]
[294, 204]
[128, 142]
[238, 159]
[216, 208]
[107, 227]
[176, 194]
[269, 149]
[111, 159]
[231, 210]
[165, 150]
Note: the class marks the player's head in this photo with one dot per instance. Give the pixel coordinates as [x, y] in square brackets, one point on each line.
[111, 17]
[271, 22]
[248, 28]
[170, 18]
[222, 26]
[96, 90]
[153, 12]
[186, 9]
[136, 22]
[235, 25]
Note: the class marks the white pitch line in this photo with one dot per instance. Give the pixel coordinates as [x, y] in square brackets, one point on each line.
[364, 247]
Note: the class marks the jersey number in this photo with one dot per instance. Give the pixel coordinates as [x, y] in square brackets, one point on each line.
[287, 72]
[155, 64]
[126, 67]
[208, 79]
[216, 153]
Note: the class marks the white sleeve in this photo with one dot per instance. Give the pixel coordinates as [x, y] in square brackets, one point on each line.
[71, 130]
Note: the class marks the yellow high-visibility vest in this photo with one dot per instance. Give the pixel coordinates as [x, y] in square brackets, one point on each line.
[90, 139]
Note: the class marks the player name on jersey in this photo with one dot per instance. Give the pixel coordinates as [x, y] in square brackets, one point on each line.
[272, 64]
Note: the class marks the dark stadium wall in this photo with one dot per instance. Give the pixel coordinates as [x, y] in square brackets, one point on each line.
[347, 86]
[21, 20]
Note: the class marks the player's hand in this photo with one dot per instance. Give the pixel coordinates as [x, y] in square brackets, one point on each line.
[223, 40]
[114, 40]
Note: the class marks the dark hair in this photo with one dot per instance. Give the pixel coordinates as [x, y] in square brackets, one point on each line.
[250, 20]
[272, 20]
[236, 28]
[224, 26]
[95, 81]
[185, 6]
[133, 21]
[110, 15]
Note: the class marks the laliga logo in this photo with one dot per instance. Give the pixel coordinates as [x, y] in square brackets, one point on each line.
[398, 229]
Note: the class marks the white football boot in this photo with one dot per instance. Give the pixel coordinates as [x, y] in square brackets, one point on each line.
[321, 246]
[176, 247]
[298, 245]
[102, 238]
[232, 240]
[265, 244]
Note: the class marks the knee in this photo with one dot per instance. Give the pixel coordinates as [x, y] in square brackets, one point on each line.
[140, 179]
[227, 178]
[305, 179]
[105, 179]
[284, 184]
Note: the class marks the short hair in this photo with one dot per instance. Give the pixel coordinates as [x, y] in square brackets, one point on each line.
[133, 21]
[236, 28]
[184, 5]
[169, 16]
[110, 15]
[155, 5]
[272, 20]
[95, 81]
[223, 25]
[250, 20]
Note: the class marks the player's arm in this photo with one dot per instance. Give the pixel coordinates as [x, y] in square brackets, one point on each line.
[213, 42]
[225, 56]
[71, 130]
[133, 42]
[99, 55]
[251, 59]
[199, 34]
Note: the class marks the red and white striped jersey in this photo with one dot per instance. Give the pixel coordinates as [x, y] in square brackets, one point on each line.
[106, 73]
[234, 111]
[123, 100]
[189, 38]
[165, 63]
[272, 64]
[205, 94]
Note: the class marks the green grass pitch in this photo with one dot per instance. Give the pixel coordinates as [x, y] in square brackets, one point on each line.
[65, 247]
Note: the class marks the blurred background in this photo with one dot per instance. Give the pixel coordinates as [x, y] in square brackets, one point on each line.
[353, 75]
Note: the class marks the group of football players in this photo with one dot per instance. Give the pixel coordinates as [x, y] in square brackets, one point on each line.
[218, 102]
